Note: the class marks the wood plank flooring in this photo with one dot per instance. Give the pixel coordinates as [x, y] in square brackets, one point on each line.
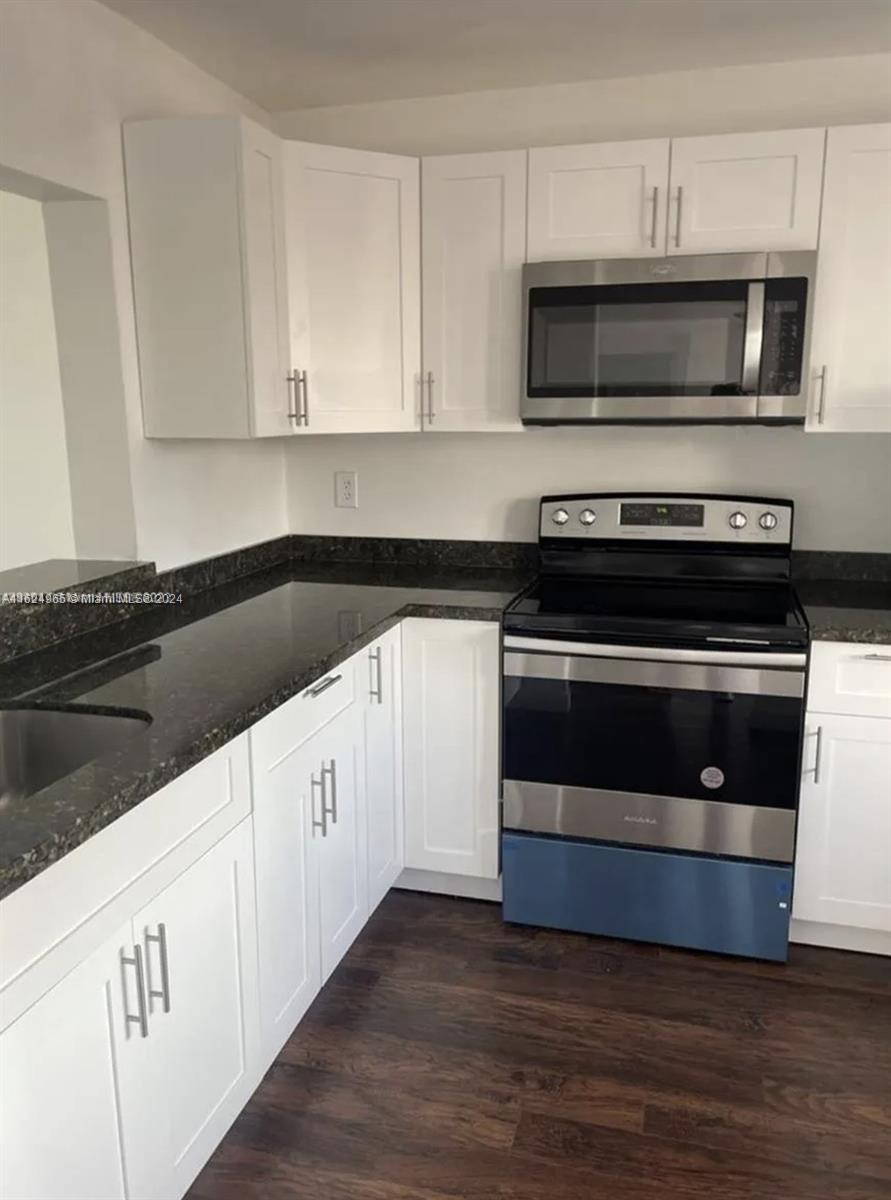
[453, 1056]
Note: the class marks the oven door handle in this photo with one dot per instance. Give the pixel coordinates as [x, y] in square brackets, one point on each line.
[729, 658]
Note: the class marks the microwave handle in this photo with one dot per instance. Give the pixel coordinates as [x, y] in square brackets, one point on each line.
[754, 335]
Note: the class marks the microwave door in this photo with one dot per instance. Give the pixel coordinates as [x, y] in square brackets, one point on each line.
[644, 351]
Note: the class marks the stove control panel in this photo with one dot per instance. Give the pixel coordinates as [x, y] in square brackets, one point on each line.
[731, 519]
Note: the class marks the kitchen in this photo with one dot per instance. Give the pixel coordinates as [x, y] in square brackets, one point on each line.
[295, 839]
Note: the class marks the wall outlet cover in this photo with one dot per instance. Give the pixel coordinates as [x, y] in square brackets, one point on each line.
[346, 489]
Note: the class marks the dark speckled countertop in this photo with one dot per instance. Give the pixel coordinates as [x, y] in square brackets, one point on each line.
[847, 610]
[206, 670]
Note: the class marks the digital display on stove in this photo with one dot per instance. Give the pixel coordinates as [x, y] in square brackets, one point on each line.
[680, 515]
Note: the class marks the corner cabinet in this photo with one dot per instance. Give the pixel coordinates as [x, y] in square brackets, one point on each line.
[851, 346]
[355, 319]
[473, 224]
[842, 891]
[451, 689]
[207, 248]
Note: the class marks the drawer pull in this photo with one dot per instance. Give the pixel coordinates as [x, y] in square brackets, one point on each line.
[323, 686]
[877, 657]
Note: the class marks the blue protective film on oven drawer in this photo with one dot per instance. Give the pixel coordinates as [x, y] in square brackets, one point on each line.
[730, 907]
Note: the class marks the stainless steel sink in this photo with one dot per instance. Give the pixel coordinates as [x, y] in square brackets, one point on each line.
[39, 745]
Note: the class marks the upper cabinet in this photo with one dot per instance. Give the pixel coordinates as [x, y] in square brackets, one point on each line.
[745, 191]
[473, 247]
[598, 201]
[646, 199]
[851, 347]
[353, 251]
[204, 197]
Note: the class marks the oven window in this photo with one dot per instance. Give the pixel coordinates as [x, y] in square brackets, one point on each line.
[665, 339]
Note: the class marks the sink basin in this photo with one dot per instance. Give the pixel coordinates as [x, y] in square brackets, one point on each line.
[39, 745]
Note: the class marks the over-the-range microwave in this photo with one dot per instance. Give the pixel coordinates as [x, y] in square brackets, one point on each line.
[713, 338]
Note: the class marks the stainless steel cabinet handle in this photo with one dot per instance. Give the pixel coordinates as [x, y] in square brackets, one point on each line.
[164, 994]
[323, 686]
[293, 409]
[331, 770]
[815, 769]
[655, 213]
[430, 382]
[821, 402]
[677, 226]
[141, 1018]
[376, 688]
[323, 824]
[877, 657]
[303, 380]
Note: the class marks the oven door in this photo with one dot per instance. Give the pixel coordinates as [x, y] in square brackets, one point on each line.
[618, 341]
[684, 749]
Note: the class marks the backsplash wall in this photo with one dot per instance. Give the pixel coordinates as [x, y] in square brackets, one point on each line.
[486, 486]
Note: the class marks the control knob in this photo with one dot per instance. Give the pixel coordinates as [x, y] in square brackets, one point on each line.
[559, 516]
[738, 520]
[768, 520]
[587, 516]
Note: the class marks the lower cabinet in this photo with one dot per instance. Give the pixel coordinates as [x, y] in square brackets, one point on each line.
[451, 682]
[122, 1079]
[381, 698]
[843, 872]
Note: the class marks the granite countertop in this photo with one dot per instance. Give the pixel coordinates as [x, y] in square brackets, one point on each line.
[204, 671]
[847, 610]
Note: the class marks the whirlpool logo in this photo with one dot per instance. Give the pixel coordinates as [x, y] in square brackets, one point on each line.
[636, 820]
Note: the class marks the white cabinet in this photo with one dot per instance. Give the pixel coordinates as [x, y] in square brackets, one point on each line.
[122, 1079]
[730, 192]
[850, 346]
[843, 871]
[207, 247]
[473, 224]
[189, 1078]
[353, 242]
[310, 847]
[382, 707]
[451, 680]
[606, 200]
[59, 1107]
[745, 191]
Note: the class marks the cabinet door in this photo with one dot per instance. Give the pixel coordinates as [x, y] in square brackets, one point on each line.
[198, 943]
[383, 764]
[343, 887]
[354, 287]
[265, 281]
[598, 201]
[287, 825]
[59, 1106]
[451, 676]
[850, 348]
[842, 871]
[745, 191]
[473, 247]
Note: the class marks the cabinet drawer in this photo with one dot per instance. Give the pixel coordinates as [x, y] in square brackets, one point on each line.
[138, 854]
[289, 726]
[850, 678]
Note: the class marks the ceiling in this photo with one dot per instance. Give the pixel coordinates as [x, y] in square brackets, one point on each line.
[286, 54]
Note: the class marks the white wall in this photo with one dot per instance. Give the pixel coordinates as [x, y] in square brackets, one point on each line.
[35, 489]
[826, 91]
[485, 486]
[70, 72]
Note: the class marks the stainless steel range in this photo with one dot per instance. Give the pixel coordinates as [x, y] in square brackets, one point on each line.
[654, 679]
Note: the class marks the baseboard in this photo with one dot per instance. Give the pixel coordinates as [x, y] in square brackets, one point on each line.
[840, 937]
[468, 887]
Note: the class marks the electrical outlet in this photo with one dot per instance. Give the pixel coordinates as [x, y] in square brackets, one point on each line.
[346, 489]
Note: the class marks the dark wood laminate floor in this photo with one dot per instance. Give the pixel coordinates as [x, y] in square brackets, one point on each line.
[453, 1056]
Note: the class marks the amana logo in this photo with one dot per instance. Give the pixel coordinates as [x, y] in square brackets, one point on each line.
[640, 820]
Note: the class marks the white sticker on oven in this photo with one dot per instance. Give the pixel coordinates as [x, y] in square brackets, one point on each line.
[712, 777]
